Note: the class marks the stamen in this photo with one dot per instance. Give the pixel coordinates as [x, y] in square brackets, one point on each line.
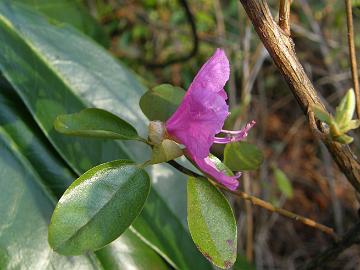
[219, 140]
[234, 135]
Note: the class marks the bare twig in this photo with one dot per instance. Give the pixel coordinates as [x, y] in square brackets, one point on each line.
[281, 49]
[331, 253]
[268, 206]
[258, 202]
[352, 53]
[284, 16]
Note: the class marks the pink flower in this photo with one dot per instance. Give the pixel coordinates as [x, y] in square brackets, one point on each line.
[201, 115]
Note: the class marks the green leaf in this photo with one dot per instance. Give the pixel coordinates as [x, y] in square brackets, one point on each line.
[352, 124]
[322, 115]
[283, 183]
[344, 139]
[242, 156]
[51, 175]
[71, 12]
[346, 109]
[98, 123]
[98, 207]
[25, 209]
[134, 254]
[161, 102]
[72, 75]
[211, 223]
[165, 225]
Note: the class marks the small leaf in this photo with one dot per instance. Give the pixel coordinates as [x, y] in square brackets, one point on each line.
[98, 207]
[98, 123]
[161, 102]
[211, 223]
[346, 108]
[322, 115]
[242, 156]
[167, 150]
[344, 139]
[283, 183]
[352, 124]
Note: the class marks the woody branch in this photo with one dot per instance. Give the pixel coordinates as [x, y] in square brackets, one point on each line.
[281, 48]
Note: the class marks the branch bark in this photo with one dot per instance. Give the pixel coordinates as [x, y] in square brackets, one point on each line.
[284, 16]
[281, 49]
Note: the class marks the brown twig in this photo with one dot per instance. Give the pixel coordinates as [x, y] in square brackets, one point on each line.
[331, 253]
[258, 202]
[352, 54]
[284, 16]
[281, 49]
[280, 211]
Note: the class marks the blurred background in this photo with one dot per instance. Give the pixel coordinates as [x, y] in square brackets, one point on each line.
[167, 41]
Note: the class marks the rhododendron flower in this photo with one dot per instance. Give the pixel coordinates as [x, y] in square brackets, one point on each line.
[201, 115]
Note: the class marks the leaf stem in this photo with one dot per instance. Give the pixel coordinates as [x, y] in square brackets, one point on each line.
[258, 202]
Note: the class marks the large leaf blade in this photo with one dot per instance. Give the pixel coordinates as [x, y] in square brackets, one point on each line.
[25, 208]
[70, 12]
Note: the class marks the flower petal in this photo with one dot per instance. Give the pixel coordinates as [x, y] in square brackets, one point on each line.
[214, 73]
[203, 110]
[209, 168]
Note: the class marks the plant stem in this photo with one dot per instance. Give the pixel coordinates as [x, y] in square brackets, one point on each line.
[258, 202]
[284, 16]
[352, 54]
[281, 50]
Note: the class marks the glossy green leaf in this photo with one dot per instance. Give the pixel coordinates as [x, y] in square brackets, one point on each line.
[128, 252]
[166, 225]
[71, 12]
[98, 123]
[161, 102]
[53, 173]
[71, 75]
[211, 222]
[242, 156]
[25, 210]
[98, 207]
[283, 183]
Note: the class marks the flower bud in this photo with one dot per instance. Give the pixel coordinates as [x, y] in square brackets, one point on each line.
[156, 132]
